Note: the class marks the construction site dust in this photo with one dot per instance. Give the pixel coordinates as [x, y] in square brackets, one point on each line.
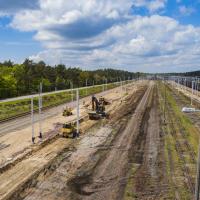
[132, 142]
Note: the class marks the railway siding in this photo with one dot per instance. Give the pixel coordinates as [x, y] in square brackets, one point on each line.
[181, 142]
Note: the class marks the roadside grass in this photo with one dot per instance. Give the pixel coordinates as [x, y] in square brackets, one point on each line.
[20, 107]
[191, 134]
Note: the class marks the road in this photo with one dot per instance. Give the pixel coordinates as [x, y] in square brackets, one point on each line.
[22, 122]
[54, 92]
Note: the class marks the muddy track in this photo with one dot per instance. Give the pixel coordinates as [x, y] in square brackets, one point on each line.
[171, 174]
[55, 184]
[107, 179]
[148, 180]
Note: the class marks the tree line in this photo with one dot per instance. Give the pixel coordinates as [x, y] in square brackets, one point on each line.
[192, 74]
[24, 79]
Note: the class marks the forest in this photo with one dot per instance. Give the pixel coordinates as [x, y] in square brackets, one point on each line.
[24, 79]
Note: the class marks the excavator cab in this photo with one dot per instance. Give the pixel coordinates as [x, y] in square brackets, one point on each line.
[67, 111]
[68, 130]
[98, 109]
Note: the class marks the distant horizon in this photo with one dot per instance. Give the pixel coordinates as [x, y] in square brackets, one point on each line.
[101, 68]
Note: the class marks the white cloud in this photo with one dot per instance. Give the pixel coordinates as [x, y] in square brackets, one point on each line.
[151, 5]
[143, 44]
[186, 10]
[97, 33]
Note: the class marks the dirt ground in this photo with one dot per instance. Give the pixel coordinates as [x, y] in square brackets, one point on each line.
[116, 100]
[17, 142]
[133, 155]
[97, 168]
[147, 176]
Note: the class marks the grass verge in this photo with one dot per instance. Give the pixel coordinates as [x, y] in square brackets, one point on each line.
[15, 108]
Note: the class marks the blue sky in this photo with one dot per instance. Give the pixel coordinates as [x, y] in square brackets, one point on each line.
[136, 35]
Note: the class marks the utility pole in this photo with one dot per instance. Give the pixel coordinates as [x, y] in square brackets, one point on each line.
[40, 111]
[165, 102]
[103, 85]
[32, 120]
[86, 83]
[77, 111]
[178, 85]
[185, 84]
[121, 87]
[72, 93]
[93, 84]
[196, 90]
[192, 92]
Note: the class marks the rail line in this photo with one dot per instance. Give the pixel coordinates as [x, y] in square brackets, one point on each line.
[24, 114]
[181, 149]
[183, 133]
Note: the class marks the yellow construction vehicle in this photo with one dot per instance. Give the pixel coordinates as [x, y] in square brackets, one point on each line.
[98, 109]
[69, 130]
[102, 100]
[67, 111]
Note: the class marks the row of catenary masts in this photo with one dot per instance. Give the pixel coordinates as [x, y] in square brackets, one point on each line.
[187, 83]
[184, 83]
[193, 85]
[104, 87]
[190, 82]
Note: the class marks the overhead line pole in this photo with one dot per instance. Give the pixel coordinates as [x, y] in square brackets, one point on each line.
[32, 120]
[77, 112]
[40, 111]
[72, 93]
[192, 93]
[165, 102]
[86, 83]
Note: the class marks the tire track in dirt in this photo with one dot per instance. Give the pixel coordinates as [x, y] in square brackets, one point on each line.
[108, 178]
[149, 180]
[88, 154]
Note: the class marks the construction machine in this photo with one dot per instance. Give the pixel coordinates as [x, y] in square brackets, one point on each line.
[98, 108]
[69, 130]
[67, 111]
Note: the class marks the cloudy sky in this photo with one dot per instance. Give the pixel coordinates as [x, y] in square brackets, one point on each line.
[135, 35]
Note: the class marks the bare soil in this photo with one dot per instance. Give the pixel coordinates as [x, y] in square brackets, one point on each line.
[96, 169]
[37, 173]
[133, 155]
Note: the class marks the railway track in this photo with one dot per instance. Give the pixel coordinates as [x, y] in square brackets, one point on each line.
[46, 108]
[178, 121]
[20, 121]
[29, 112]
[149, 178]
[88, 143]
[182, 148]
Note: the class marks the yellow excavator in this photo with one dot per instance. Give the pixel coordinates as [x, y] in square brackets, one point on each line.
[98, 108]
[69, 130]
[67, 111]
